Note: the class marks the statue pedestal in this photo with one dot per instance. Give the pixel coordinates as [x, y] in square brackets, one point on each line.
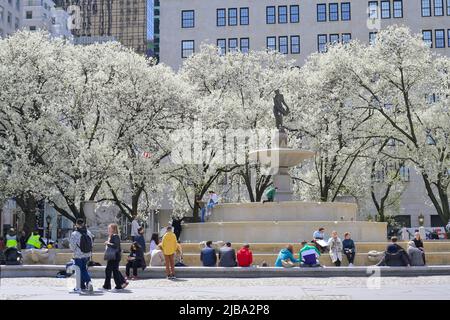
[283, 181]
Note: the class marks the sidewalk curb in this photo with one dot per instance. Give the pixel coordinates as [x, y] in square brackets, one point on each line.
[50, 271]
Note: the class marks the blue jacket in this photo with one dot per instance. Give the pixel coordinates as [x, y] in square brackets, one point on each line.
[208, 257]
[348, 244]
[285, 254]
[141, 241]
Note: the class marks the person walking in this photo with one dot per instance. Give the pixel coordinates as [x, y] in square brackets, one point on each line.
[349, 248]
[113, 255]
[81, 244]
[135, 260]
[227, 256]
[134, 228]
[208, 255]
[335, 245]
[270, 194]
[169, 247]
[244, 256]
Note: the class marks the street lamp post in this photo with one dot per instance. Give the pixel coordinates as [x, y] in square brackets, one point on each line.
[48, 219]
[421, 220]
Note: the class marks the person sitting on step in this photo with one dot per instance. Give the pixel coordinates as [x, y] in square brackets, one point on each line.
[309, 255]
[208, 255]
[286, 257]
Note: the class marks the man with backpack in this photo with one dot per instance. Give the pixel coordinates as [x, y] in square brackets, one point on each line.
[81, 243]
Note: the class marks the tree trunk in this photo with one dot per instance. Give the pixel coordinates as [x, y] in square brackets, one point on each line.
[441, 205]
[28, 204]
[195, 212]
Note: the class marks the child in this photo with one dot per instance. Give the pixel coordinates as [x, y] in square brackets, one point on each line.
[135, 260]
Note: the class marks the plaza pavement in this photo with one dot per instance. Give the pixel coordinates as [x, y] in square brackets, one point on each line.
[333, 288]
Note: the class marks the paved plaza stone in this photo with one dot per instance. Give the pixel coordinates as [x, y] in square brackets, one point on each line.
[404, 288]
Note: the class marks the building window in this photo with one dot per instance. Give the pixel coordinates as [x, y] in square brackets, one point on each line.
[426, 8]
[187, 48]
[448, 7]
[233, 45]
[17, 5]
[2, 14]
[283, 44]
[333, 13]
[448, 38]
[334, 38]
[345, 11]
[385, 9]
[232, 17]
[270, 15]
[438, 7]
[221, 17]
[346, 37]
[245, 45]
[372, 37]
[9, 18]
[322, 42]
[373, 10]
[271, 43]
[398, 9]
[244, 16]
[32, 28]
[222, 45]
[439, 38]
[282, 14]
[17, 24]
[321, 12]
[295, 13]
[187, 19]
[295, 44]
[29, 15]
[427, 37]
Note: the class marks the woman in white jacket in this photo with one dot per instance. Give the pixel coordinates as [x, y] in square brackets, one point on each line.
[157, 257]
[335, 245]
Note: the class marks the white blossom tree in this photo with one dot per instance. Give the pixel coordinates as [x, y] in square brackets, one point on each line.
[406, 87]
[326, 118]
[242, 86]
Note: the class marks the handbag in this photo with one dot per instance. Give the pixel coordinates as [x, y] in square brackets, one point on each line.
[110, 254]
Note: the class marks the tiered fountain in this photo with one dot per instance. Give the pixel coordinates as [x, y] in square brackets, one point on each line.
[283, 220]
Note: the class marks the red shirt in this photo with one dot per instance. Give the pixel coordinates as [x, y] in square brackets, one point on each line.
[244, 257]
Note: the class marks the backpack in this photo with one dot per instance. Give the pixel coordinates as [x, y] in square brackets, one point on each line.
[85, 242]
[13, 257]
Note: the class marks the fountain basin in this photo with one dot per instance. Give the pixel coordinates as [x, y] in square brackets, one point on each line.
[284, 211]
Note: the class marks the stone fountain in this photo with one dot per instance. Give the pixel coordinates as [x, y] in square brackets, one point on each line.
[279, 159]
[283, 220]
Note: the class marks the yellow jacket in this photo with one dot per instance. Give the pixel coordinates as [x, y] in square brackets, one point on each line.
[169, 243]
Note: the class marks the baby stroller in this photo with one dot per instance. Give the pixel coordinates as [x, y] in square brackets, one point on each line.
[13, 256]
